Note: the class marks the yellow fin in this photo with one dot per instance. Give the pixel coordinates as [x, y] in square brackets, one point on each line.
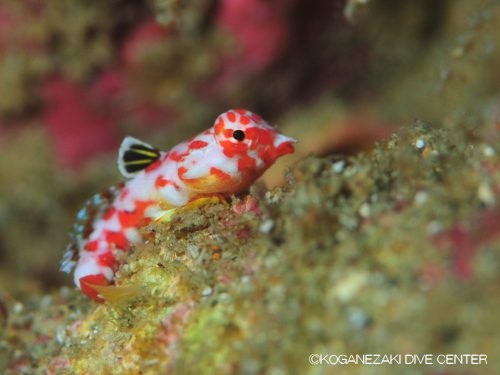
[119, 293]
[204, 201]
[166, 216]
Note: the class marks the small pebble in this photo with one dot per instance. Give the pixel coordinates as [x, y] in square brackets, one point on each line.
[18, 307]
[207, 291]
[488, 151]
[365, 210]
[434, 227]
[266, 226]
[485, 194]
[338, 166]
[420, 143]
[420, 198]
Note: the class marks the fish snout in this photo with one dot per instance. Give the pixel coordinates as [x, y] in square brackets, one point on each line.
[284, 145]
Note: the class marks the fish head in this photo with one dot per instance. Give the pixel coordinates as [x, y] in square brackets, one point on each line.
[246, 136]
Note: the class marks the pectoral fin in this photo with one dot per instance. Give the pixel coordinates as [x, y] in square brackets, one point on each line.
[118, 294]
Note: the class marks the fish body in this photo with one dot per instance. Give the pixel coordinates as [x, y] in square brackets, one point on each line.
[225, 159]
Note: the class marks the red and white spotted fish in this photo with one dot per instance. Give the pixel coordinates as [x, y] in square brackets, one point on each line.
[225, 159]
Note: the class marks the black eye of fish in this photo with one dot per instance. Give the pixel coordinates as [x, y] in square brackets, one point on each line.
[239, 135]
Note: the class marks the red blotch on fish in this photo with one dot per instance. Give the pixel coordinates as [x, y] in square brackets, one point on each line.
[231, 116]
[109, 213]
[219, 173]
[231, 149]
[107, 259]
[161, 182]
[132, 219]
[246, 163]
[244, 120]
[153, 166]
[91, 246]
[197, 144]
[117, 238]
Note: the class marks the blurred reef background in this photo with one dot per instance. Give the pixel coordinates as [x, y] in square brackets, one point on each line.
[379, 235]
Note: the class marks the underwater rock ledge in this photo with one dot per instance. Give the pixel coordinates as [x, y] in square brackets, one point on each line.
[395, 251]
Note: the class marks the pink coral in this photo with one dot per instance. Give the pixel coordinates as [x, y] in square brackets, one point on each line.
[14, 38]
[78, 124]
[7, 22]
[109, 85]
[141, 40]
[138, 44]
[83, 120]
[259, 27]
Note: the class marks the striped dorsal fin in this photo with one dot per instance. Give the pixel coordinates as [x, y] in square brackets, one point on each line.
[135, 155]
